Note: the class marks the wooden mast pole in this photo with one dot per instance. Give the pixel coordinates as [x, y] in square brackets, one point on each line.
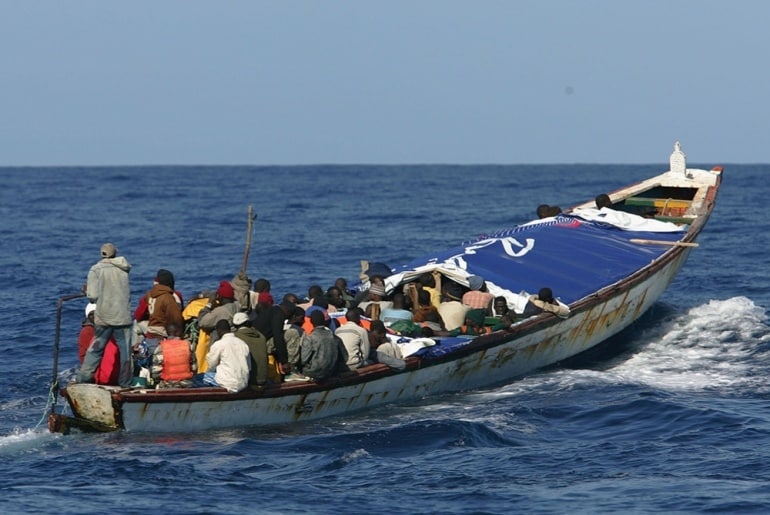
[249, 230]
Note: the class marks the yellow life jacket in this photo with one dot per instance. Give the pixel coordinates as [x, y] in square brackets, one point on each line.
[192, 310]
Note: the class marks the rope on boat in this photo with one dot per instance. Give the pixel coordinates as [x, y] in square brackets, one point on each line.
[49, 407]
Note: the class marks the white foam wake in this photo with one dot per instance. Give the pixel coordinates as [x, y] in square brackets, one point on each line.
[716, 345]
[22, 439]
[712, 345]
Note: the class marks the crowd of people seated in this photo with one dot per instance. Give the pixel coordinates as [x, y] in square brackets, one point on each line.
[217, 340]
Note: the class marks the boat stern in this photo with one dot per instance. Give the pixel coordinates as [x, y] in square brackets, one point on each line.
[95, 408]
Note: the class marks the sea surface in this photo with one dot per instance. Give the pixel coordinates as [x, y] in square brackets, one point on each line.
[670, 416]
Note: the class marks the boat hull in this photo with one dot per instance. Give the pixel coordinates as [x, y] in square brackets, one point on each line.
[484, 361]
[492, 360]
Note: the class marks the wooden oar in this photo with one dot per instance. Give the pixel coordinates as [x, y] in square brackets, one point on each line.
[664, 242]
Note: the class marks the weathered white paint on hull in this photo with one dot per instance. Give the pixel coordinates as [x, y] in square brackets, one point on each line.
[495, 365]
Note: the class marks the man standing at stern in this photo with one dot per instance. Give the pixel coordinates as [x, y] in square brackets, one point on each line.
[108, 288]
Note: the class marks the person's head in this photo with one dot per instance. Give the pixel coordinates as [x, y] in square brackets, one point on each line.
[546, 211]
[240, 319]
[90, 311]
[476, 282]
[341, 283]
[287, 307]
[603, 200]
[334, 296]
[376, 292]
[427, 280]
[173, 330]
[500, 306]
[378, 332]
[453, 291]
[225, 290]
[261, 285]
[165, 278]
[314, 291]
[291, 298]
[317, 318]
[354, 315]
[546, 295]
[108, 250]
[475, 318]
[320, 301]
[222, 327]
[398, 300]
[298, 316]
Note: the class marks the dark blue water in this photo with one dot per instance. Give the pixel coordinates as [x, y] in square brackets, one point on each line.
[671, 416]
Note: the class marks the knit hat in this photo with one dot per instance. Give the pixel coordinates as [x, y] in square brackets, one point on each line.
[476, 316]
[475, 282]
[90, 308]
[240, 319]
[377, 289]
[108, 250]
[165, 278]
[225, 290]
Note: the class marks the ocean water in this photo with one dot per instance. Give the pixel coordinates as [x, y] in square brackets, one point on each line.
[670, 416]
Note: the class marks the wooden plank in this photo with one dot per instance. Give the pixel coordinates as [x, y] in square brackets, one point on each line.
[663, 242]
[658, 202]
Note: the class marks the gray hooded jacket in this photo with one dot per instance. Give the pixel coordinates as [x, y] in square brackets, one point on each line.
[108, 288]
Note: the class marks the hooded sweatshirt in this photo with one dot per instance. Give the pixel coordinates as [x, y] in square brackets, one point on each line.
[163, 310]
[108, 288]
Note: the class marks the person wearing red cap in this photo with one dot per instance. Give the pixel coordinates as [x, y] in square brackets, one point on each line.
[260, 298]
[222, 307]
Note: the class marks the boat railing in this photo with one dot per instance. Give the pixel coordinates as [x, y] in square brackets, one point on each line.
[57, 339]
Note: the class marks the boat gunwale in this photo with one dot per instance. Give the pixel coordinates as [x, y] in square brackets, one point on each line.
[476, 345]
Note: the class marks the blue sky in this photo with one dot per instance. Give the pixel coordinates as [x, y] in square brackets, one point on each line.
[418, 81]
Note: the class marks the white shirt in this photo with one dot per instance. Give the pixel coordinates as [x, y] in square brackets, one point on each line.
[230, 361]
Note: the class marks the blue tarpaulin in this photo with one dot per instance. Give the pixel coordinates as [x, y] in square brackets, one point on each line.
[572, 256]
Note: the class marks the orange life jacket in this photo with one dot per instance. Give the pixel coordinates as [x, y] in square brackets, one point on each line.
[332, 322]
[176, 360]
[464, 329]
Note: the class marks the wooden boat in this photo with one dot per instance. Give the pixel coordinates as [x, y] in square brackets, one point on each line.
[608, 272]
